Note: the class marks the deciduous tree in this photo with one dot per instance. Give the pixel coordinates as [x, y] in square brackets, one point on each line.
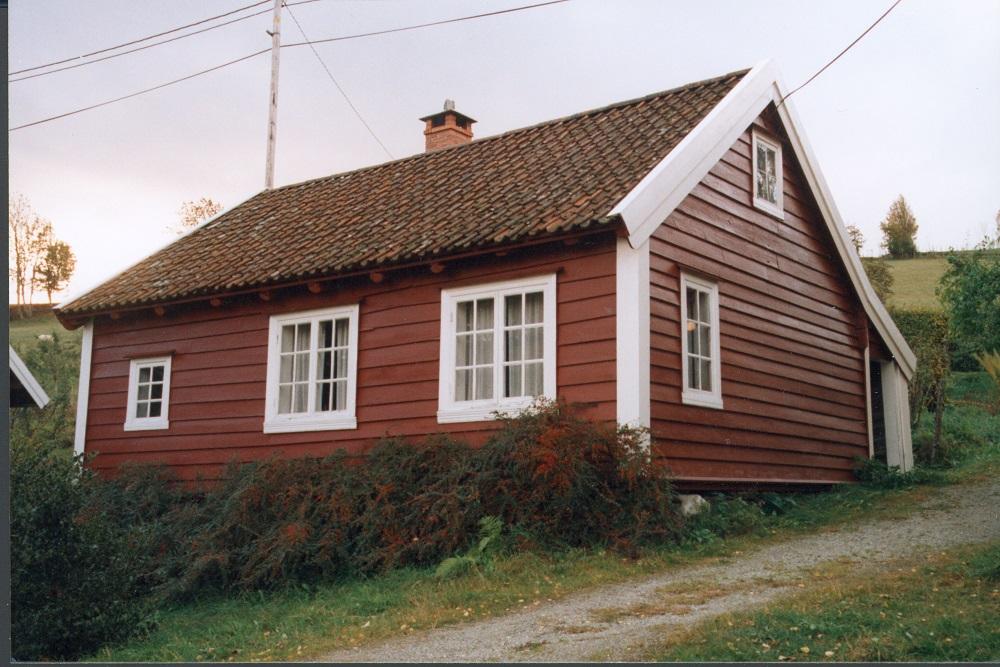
[55, 268]
[192, 213]
[899, 230]
[28, 238]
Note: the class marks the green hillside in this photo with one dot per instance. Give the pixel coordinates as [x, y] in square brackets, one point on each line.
[24, 333]
[916, 281]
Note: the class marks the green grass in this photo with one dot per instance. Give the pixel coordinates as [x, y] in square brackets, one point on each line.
[24, 333]
[305, 623]
[916, 282]
[940, 606]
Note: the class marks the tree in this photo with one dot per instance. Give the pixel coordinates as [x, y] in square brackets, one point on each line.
[857, 238]
[899, 230]
[192, 213]
[970, 292]
[55, 268]
[29, 236]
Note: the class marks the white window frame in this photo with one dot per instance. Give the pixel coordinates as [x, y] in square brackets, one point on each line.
[777, 208]
[701, 397]
[452, 411]
[133, 423]
[311, 420]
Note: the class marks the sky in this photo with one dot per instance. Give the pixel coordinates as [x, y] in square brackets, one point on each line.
[912, 109]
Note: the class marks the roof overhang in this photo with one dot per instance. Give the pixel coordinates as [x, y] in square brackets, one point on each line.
[669, 182]
[28, 382]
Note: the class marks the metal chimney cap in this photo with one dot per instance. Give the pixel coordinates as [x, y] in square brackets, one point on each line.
[449, 105]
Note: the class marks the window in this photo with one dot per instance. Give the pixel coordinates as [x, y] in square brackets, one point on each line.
[498, 348]
[312, 371]
[767, 190]
[148, 394]
[700, 343]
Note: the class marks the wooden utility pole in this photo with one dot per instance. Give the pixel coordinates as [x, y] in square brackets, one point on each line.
[272, 117]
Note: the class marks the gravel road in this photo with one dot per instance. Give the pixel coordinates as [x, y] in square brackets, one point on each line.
[616, 622]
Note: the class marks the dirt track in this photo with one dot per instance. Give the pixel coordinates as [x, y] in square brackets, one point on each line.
[617, 622]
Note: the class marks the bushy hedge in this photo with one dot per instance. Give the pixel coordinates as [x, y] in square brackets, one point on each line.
[550, 476]
[75, 576]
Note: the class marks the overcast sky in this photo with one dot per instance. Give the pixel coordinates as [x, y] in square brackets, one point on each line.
[913, 109]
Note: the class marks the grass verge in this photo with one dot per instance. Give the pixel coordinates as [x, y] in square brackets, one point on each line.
[940, 607]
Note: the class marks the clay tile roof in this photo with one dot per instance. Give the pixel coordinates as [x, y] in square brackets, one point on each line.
[551, 178]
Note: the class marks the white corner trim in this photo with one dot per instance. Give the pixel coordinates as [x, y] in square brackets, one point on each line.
[453, 412]
[669, 182]
[76, 294]
[868, 403]
[632, 333]
[83, 388]
[27, 380]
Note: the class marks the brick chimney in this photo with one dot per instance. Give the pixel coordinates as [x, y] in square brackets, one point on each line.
[447, 128]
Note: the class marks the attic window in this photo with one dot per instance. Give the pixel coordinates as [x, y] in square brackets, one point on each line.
[767, 175]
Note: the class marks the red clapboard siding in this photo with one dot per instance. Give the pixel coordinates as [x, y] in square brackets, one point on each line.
[793, 382]
[220, 355]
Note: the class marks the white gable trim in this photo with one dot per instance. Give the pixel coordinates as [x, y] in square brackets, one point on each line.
[669, 182]
[27, 380]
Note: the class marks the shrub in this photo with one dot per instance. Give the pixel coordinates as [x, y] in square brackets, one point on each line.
[970, 292]
[927, 333]
[422, 503]
[74, 574]
[567, 480]
[874, 473]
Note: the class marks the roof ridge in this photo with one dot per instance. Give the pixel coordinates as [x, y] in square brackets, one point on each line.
[506, 133]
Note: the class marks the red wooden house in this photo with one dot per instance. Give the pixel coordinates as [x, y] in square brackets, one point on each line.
[674, 261]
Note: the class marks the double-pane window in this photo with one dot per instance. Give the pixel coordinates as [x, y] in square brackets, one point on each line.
[312, 370]
[767, 191]
[700, 342]
[498, 347]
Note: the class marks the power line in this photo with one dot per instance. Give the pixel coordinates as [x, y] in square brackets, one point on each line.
[338, 86]
[137, 41]
[257, 53]
[425, 25]
[149, 46]
[139, 92]
[837, 57]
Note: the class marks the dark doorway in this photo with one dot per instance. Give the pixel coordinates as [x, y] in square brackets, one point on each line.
[878, 411]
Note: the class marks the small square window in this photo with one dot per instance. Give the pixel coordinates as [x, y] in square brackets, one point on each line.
[767, 175]
[700, 348]
[148, 394]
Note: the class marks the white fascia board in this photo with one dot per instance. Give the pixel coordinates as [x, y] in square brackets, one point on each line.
[669, 182]
[90, 288]
[83, 388]
[632, 334]
[27, 380]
